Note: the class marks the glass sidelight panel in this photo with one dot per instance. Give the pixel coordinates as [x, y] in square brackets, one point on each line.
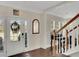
[25, 33]
[1, 35]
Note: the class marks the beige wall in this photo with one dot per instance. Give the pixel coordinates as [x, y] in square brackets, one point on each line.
[35, 40]
[51, 18]
[46, 28]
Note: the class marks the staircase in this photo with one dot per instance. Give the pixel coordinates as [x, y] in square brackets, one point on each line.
[72, 51]
[66, 39]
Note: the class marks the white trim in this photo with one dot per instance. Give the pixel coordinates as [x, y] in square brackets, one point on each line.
[45, 47]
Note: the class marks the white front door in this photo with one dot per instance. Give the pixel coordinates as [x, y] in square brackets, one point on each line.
[15, 35]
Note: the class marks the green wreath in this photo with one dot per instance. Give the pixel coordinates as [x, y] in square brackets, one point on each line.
[15, 27]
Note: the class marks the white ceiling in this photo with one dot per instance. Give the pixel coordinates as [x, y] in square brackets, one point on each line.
[35, 6]
[66, 10]
[59, 8]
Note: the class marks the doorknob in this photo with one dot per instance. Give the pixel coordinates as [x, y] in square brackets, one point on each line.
[22, 34]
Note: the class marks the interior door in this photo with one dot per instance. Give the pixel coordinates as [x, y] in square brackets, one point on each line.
[15, 35]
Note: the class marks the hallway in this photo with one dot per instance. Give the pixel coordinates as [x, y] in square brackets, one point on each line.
[30, 28]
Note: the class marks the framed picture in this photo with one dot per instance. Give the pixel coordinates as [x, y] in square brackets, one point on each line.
[15, 12]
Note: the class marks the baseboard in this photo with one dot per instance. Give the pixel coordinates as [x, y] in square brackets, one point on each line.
[29, 49]
[45, 47]
[26, 51]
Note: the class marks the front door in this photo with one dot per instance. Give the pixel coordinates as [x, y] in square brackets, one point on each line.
[15, 35]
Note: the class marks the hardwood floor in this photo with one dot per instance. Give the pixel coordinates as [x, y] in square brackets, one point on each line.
[39, 53]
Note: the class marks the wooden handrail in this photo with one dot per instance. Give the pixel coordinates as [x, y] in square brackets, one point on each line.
[69, 22]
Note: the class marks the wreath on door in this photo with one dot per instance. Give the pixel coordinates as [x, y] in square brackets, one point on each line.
[15, 27]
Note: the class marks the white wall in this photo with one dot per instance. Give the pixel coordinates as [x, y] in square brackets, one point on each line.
[34, 41]
[46, 28]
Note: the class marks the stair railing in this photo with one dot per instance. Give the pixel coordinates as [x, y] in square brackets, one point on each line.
[60, 43]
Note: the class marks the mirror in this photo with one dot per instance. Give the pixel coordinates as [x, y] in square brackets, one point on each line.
[35, 26]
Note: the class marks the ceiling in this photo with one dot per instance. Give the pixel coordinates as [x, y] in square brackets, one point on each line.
[59, 8]
[66, 10]
[35, 6]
